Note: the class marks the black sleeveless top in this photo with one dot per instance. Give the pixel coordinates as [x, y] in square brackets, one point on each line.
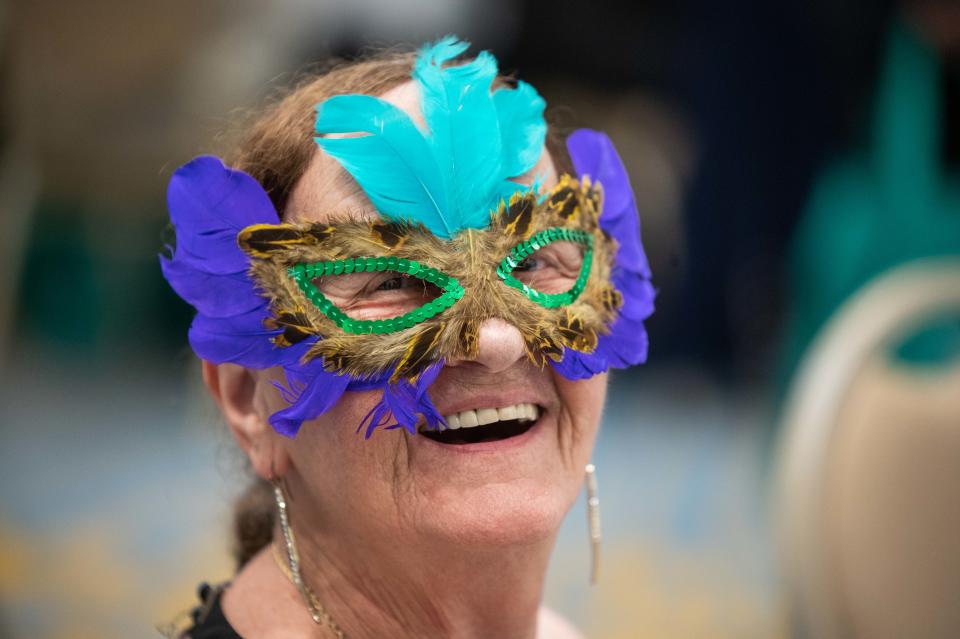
[208, 619]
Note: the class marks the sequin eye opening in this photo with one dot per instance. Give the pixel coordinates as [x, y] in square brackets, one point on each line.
[520, 253]
[304, 273]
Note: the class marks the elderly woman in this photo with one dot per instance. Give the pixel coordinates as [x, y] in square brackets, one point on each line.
[408, 294]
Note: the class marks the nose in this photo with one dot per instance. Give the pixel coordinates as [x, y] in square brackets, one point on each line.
[499, 345]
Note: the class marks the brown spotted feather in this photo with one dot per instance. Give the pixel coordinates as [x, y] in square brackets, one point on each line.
[470, 257]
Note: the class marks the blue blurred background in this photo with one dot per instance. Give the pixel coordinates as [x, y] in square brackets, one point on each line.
[783, 154]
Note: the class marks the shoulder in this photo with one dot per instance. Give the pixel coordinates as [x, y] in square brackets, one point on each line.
[550, 625]
[262, 602]
[208, 621]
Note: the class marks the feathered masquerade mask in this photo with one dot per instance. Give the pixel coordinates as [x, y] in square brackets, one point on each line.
[382, 304]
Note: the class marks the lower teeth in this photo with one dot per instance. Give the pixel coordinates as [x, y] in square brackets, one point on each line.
[477, 434]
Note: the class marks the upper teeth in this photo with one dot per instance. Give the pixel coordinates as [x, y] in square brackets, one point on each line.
[483, 416]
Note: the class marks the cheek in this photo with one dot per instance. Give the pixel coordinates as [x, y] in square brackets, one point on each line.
[329, 459]
[336, 425]
[582, 401]
[330, 445]
[586, 395]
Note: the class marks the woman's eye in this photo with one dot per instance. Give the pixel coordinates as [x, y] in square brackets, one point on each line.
[392, 284]
[371, 296]
[528, 264]
[551, 269]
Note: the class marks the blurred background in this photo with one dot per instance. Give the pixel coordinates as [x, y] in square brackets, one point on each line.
[796, 169]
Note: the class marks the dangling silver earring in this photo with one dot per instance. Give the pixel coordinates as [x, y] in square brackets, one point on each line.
[293, 558]
[593, 521]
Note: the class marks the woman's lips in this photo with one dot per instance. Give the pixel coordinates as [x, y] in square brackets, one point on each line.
[488, 412]
[486, 428]
[471, 418]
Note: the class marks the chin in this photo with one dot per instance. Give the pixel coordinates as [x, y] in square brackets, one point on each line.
[499, 515]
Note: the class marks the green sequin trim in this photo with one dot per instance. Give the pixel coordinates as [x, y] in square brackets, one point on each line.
[547, 236]
[304, 273]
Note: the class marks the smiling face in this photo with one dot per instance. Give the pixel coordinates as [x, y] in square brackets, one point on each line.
[506, 481]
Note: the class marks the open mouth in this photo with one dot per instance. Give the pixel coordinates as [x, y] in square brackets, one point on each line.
[485, 424]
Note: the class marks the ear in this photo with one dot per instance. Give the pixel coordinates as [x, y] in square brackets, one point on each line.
[234, 389]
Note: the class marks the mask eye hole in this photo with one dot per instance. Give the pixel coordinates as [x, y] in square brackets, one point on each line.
[376, 295]
[551, 268]
[388, 294]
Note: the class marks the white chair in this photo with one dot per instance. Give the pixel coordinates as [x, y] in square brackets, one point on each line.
[868, 494]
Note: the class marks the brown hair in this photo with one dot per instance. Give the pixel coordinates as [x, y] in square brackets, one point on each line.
[279, 145]
[276, 151]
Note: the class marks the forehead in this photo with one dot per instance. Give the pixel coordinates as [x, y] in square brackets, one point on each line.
[326, 192]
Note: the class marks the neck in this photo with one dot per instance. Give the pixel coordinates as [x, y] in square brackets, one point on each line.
[379, 588]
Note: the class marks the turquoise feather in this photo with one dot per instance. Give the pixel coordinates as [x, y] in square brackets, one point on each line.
[451, 176]
[393, 163]
[522, 128]
[462, 119]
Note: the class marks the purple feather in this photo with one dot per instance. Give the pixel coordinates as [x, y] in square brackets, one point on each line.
[626, 344]
[211, 294]
[405, 402]
[209, 205]
[320, 391]
[241, 339]
[593, 155]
